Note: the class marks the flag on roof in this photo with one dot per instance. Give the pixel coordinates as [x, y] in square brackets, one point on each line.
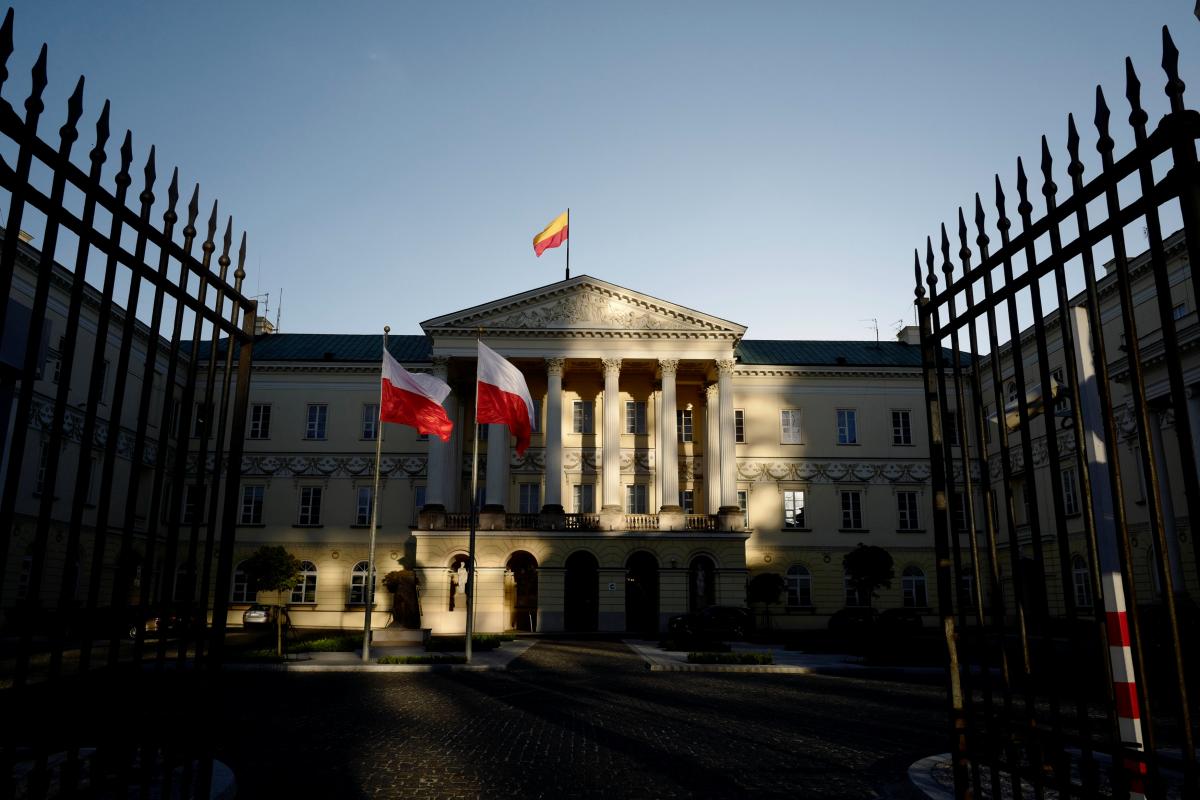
[553, 235]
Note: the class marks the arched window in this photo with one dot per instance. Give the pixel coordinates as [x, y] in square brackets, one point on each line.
[913, 582]
[358, 580]
[799, 586]
[244, 590]
[1083, 582]
[306, 585]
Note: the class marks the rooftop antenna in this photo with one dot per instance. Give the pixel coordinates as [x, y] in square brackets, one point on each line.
[874, 324]
[278, 309]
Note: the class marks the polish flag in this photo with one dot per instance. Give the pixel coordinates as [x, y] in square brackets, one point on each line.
[414, 399]
[503, 396]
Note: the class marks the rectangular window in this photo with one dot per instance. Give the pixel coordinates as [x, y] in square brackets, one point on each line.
[901, 427]
[637, 498]
[1070, 490]
[260, 421]
[744, 504]
[951, 427]
[789, 426]
[854, 597]
[635, 416]
[252, 505]
[193, 500]
[39, 483]
[201, 419]
[852, 518]
[310, 506]
[906, 507]
[847, 426]
[529, 498]
[418, 503]
[958, 512]
[683, 423]
[314, 428]
[739, 426]
[793, 510]
[1179, 312]
[362, 505]
[582, 417]
[584, 495]
[687, 501]
[1062, 401]
[370, 421]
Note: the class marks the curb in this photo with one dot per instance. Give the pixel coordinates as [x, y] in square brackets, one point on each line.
[508, 653]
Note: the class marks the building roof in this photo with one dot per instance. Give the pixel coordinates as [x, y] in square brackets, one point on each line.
[364, 348]
[810, 353]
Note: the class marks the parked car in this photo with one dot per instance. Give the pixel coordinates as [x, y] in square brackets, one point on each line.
[713, 622]
[258, 614]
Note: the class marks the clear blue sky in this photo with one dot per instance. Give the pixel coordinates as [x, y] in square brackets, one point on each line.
[770, 163]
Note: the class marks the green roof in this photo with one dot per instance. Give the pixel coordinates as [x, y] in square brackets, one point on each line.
[332, 347]
[807, 353]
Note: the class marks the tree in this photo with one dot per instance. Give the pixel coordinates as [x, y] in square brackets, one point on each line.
[765, 588]
[868, 568]
[274, 569]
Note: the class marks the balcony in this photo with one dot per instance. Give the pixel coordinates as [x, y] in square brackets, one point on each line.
[586, 522]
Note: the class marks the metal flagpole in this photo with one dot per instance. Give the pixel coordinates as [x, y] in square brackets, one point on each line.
[568, 243]
[369, 581]
[474, 514]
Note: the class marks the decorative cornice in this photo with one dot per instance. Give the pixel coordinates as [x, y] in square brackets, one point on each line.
[894, 373]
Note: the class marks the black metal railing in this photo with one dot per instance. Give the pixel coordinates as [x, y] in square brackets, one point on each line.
[125, 372]
[1063, 676]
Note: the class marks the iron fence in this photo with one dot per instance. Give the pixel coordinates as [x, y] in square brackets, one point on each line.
[1061, 396]
[124, 377]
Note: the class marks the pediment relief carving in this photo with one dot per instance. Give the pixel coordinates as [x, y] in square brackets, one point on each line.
[586, 307]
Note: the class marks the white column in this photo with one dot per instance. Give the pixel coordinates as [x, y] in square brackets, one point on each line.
[435, 467]
[611, 456]
[453, 463]
[497, 467]
[553, 424]
[668, 465]
[728, 453]
[712, 450]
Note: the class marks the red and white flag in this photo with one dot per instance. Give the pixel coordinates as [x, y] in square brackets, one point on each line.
[504, 396]
[414, 399]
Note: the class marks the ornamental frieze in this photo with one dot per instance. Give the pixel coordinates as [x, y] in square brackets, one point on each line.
[324, 466]
[1039, 450]
[588, 309]
[41, 418]
[808, 471]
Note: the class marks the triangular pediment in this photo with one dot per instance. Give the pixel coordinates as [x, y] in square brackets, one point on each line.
[583, 304]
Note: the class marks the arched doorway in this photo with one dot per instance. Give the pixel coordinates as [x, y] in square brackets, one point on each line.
[521, 591]
[581, 590]
[641, 593]
[702, 590]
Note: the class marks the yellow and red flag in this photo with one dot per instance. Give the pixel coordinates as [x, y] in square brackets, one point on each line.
[554, 234]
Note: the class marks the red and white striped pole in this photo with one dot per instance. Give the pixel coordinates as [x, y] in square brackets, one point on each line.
[1125, 693]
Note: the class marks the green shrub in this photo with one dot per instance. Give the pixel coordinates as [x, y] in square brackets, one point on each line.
[329, 644]
[454, 644]
[433, 658]
[731, 658]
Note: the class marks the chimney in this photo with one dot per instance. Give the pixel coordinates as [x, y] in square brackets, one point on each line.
[909, 334]
[263, 325]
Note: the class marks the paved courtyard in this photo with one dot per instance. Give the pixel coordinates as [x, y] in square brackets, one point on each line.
[575, 719]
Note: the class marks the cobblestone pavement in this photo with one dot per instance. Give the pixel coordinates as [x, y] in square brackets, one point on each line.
[575, 719]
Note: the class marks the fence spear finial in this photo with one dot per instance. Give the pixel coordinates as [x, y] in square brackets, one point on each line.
[98, 155]
[981, 237]
[1170, 65]
[6, 45]
[240, 273]
[947, 265]
[964, 252]
[69, 131]
[151, 174]
[1133, 93]
[33, 104]
[920, 290]
[122, 178]
[172, 197]
[931, 278]
[1048, 186]
[189, 230]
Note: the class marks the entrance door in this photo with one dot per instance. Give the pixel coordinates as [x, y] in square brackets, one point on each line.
[581, 611]
[523, 602]
[641, 594]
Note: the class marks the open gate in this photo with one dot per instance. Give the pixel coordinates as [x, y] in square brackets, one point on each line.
[124, 377]
[1062, 377]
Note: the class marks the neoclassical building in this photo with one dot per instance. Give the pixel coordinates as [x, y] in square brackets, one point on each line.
[672, 459]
